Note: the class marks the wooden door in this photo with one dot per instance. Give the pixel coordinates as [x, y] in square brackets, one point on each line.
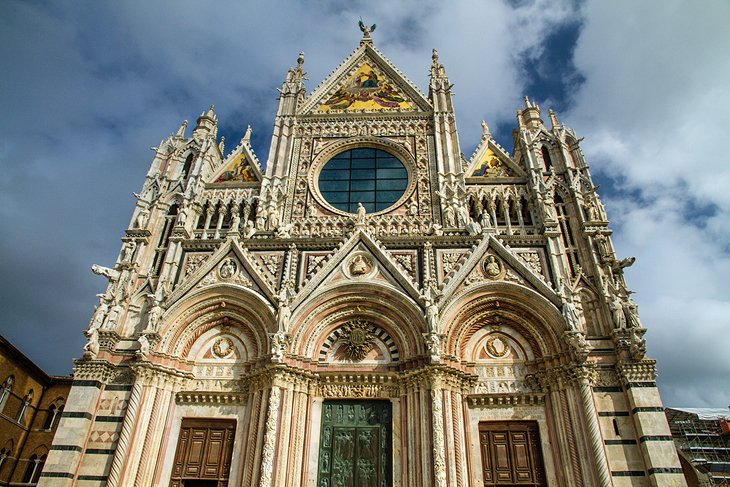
[511, 453]
[204, 450]
[355, 442]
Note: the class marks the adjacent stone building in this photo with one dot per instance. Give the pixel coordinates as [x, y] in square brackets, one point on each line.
[31, 405]
[372, 309]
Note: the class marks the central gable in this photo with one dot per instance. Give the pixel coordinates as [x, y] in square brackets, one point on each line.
[365, 82]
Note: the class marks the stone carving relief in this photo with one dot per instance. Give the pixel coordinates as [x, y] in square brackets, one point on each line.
[359, 265]
[193, 263]
[223, 347]
[493, 267]
[358, 340]
[227, 269]
[497, 347]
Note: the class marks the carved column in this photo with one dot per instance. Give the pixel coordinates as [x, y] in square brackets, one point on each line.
[221, 216]
[208, 217]
[270, 434]
[584, 377]
[437, 418]
[125, 435]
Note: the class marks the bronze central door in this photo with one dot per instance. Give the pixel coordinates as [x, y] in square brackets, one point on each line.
[354, 444]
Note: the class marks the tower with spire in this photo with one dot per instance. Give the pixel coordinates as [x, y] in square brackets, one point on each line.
[368, 307]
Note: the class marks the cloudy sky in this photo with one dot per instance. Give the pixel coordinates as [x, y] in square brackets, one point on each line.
[86, 88]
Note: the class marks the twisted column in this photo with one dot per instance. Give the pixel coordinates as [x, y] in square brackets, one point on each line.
[594, 433]
[130, 417]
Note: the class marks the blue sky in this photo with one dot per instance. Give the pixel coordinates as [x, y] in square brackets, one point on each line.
[87, 87]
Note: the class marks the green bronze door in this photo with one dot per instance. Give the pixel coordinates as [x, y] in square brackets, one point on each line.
[354, 446]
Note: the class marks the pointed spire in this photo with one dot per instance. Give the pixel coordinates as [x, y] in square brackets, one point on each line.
[530, 115]
[181, 131]
[247, 135]
[211, 112]
[527, 103]
[553, 119]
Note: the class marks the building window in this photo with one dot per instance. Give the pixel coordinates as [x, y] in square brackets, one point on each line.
[7, 388]
[24, 407]
[34, 469]
[373, 177]
[54, 416]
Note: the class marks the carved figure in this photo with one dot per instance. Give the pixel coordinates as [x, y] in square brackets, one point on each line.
[91, 349]
[591, 211]
[569, 312]
[361, 212]
[359, 265]
[154, 314]
[617, 312]
[228, 269]
[111, 274]
[485, 220]
[432, 315]
[142, 217]
[449, 217]
[631, 312]
[100, 313]
[127, 252]
[279, 341]
[144, 346]
[433, 343]
[492, 267]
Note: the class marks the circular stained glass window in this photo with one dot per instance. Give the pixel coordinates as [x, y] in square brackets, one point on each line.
[373, 177]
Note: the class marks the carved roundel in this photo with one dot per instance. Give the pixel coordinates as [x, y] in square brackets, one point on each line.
[493, 268]
[497, 347]
[227, 269]
[379, 173]
[223, 347]
[359, 265]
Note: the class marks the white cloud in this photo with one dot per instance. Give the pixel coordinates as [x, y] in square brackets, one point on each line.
[655, 109]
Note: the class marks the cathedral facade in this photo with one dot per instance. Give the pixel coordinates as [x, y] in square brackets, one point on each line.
[372, 309]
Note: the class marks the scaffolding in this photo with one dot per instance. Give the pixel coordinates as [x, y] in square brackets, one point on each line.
[702, 436]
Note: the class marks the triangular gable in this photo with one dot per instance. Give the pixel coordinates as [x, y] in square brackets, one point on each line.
[360, 244]
[491, 161]
[229, 264]
[366, 81]
[504, 266]
[240, 168]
